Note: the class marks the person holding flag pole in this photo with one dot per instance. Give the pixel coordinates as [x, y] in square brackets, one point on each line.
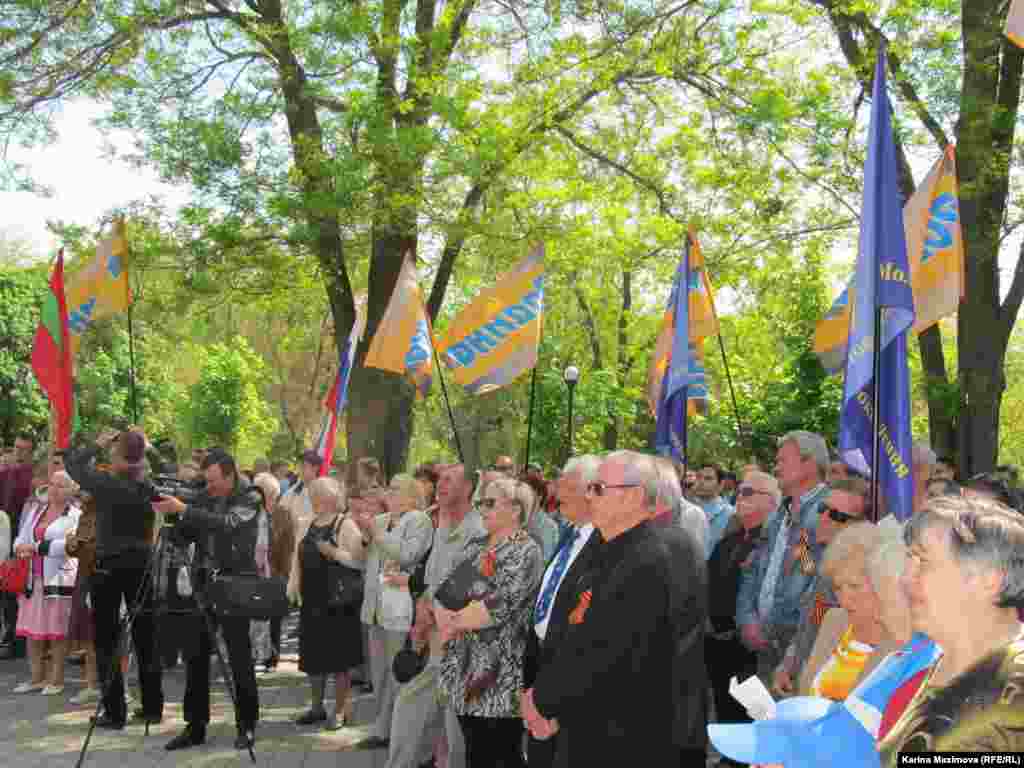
[874, 427]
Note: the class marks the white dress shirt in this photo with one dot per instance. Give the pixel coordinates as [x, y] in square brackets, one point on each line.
[577, 546]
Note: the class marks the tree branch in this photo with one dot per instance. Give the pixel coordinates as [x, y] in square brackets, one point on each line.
[650, 186]
[1011, 304]
[588, 321]
[855, 57]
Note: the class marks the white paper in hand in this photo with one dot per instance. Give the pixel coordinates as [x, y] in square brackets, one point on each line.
[752, 694]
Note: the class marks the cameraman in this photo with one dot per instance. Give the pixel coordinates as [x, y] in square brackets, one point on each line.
[223, 522]
[124, 524]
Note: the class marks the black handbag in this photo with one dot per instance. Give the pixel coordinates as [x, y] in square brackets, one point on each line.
[344, 584]
[247, 596]
[455, 591]
[407, 662]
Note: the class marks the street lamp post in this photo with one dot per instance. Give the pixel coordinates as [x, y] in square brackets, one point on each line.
[571, 376]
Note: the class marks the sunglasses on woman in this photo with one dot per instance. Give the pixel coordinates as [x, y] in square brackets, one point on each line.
[836, 515]
[746, 490]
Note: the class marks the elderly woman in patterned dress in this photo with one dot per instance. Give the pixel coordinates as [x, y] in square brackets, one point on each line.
[482, 667]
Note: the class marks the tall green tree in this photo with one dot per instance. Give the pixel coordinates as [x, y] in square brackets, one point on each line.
[22, 405]
[360, 131]
[959, 78]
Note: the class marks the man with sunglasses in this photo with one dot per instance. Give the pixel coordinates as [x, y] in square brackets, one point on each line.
[848, 501]
[784, 567]
[615, 682]
[757, 497]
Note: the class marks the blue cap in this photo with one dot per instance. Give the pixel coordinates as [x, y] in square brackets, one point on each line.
[806, 732]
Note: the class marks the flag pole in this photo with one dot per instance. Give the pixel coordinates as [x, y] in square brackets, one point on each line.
[876, 402]
[529, 415]
[732, 392]
[728, 375]
[131, 368]
[447, 402]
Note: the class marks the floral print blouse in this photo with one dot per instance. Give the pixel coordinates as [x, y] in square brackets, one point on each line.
[482, 670]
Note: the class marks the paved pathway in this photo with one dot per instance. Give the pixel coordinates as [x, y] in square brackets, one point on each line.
[38, 731]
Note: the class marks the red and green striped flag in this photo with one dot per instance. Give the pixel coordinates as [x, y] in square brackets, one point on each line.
[51, 356]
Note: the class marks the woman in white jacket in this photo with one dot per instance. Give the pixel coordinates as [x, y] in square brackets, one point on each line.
[44, 612]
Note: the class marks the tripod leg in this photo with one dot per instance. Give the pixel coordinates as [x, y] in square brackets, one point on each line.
[147, 582]
[225, 669]
[124, 630]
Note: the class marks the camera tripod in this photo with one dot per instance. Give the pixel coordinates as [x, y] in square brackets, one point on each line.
[149, 582]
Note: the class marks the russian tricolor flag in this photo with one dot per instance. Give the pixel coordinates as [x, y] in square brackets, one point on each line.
[337, 398]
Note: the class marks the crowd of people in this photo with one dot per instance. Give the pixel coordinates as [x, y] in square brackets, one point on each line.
[506, 618]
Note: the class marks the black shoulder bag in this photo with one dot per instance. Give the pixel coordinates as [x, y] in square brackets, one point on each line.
[344, 583]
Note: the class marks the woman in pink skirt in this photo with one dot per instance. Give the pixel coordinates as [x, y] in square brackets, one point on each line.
[44, 611]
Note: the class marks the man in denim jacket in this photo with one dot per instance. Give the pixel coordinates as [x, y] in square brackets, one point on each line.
[783, 568]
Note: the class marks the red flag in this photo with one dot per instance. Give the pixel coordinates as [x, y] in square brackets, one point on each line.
[51, 355]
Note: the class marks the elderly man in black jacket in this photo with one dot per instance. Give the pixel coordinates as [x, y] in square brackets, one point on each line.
[616, 680]
[223, 523]
[556, 597]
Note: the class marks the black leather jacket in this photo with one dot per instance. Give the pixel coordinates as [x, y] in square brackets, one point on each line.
[224, 529]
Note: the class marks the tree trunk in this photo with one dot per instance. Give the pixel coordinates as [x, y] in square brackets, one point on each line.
[941, 424]
[988, 113]
[379, 418]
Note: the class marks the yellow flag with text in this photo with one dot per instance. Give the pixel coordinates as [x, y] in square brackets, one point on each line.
[935, 252]
[100, 289]
[402, 342]
[496, 337]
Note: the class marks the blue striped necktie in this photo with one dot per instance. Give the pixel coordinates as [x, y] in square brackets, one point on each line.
[561, 562]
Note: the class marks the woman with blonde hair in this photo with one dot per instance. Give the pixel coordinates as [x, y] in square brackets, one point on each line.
[399, 537]
[45, 611]
[485, 640]
[330, 638]
[852, 639]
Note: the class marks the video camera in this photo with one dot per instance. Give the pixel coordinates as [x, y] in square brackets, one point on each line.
[162, 486]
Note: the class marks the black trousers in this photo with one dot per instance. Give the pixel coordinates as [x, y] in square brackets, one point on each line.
[541, 754]
[120, 578]
[492, 742]
[724, 659]
[197, 673]
[275, 635]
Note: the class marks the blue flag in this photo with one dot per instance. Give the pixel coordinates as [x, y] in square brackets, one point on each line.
[670, 433]
[881, 282]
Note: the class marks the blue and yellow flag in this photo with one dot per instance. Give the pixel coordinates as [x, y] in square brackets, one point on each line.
[931, 222]
[676, 380]
[403, 342]
[702, 322]
[100, 289]
[497, 336]
[882, 314]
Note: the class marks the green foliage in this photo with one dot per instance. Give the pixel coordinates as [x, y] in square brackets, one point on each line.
[224, 406]
[22, 404]
[104, 383]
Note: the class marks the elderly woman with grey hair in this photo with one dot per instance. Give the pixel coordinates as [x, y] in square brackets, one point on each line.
[965, 580]
[485, 641]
